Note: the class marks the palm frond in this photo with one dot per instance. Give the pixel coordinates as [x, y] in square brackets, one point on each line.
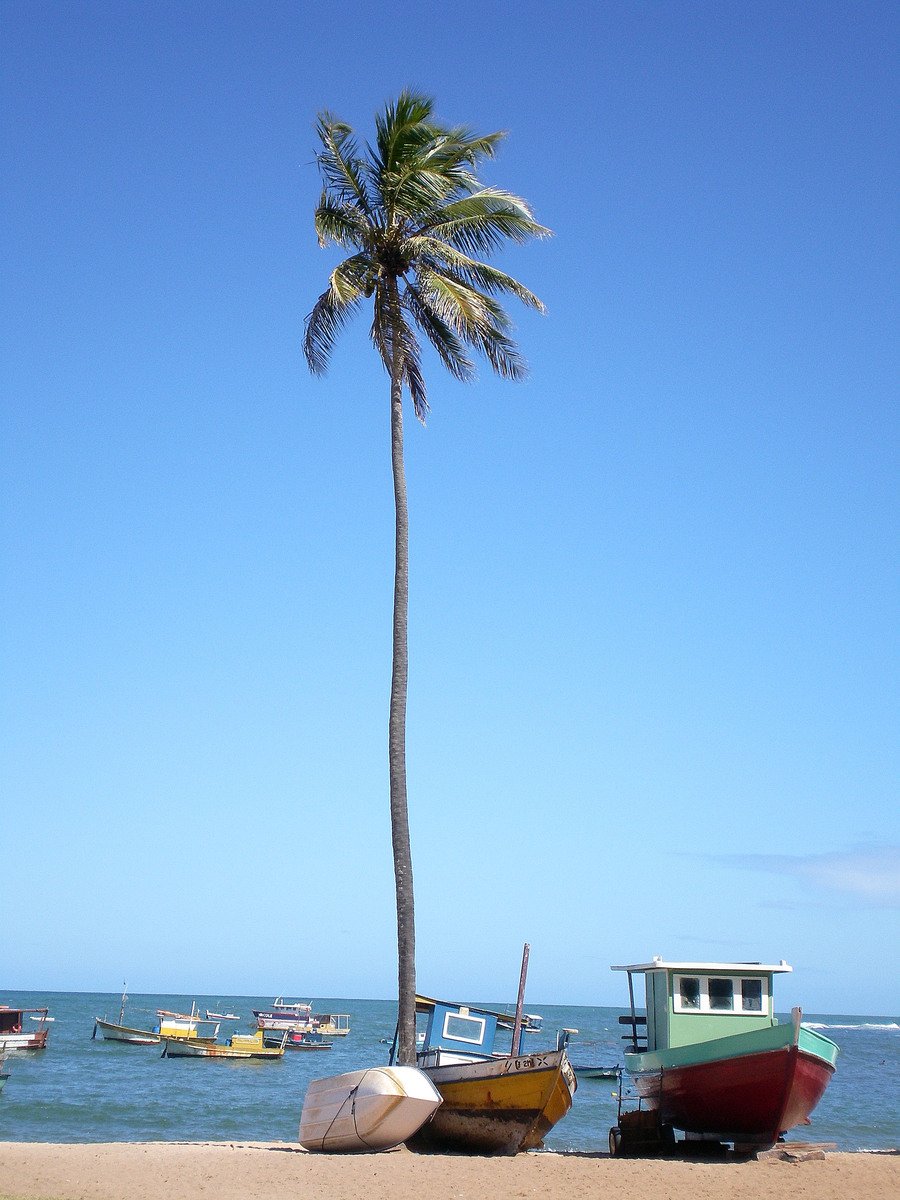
[412, 371]
[456, 302]
[329, 315]
[475, 146]
[418, 165]
[477, 319]
[427, 181]
[436, 254]
[340, 164]
[380, 329]
[482, 221]
[403, 126]
[382, 333]
[353, 279]
[450, 348]
[340, 223]
[502, 353]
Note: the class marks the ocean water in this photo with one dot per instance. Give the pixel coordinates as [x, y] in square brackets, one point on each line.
[79, 1090]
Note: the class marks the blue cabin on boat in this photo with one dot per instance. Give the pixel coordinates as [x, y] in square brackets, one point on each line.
[456, 1033]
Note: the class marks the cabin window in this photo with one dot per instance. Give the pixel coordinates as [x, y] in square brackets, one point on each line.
[689, 992]
[721, 995]
[751, 995]
[464, 1029]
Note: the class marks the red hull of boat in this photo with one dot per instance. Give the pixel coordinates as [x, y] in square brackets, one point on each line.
[750, 1099]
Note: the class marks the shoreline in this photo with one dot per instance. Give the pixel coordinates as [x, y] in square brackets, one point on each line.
[233, 1170]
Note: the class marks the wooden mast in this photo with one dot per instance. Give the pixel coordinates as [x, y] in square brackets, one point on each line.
[520, 1002]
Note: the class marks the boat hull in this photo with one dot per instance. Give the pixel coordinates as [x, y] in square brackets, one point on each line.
[293, 1040]
[497, 1105]
[750, 1097]
[110, 1032]
[241, 1046]
[362, 1111]
[28, 1039]
[122, 1033]
[591, 1072]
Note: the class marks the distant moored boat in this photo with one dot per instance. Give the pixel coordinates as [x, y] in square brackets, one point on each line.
[15, 1035]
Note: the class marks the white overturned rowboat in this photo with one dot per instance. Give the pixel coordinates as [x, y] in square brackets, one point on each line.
[374, 1109]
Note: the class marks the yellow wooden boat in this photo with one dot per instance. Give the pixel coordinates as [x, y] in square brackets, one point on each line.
[240, 1045]
[491, 1103]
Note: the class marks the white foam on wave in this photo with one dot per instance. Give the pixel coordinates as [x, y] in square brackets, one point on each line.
[860, 1025]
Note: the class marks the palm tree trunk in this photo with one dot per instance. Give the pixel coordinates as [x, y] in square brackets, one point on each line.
[403, 878]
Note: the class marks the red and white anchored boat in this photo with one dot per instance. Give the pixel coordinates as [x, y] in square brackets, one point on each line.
[23, 1028]
[296, 1016]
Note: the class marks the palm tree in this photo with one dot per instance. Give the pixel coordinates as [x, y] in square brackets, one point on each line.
[412, 214]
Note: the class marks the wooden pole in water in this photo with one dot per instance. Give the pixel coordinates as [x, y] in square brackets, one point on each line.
[520, 1001]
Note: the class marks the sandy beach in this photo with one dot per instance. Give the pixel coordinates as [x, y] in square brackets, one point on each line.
[272, 1171]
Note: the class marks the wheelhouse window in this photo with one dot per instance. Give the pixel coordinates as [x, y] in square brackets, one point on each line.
[751, 995]
[689, 993]
[721, 995]
[464, 1029]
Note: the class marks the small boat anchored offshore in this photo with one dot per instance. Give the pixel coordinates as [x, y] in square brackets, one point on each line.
[168, 1025]
[709, 1058]
[16, 1035]
[295, 1015]
[595, 1071]
[296, 1039]
[239, 1045]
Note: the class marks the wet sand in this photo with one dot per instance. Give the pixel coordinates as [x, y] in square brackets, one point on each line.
[276, 1171]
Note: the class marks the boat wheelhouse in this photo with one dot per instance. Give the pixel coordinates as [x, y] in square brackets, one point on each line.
[708, 1056]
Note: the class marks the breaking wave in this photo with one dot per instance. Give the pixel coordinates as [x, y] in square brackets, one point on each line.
[860, 1025]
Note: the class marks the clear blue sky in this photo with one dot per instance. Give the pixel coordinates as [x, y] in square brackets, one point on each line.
[653, 636]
